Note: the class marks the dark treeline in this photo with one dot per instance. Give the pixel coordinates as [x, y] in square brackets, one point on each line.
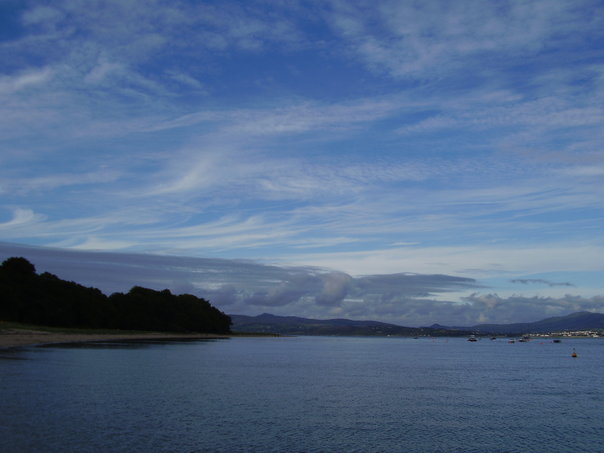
[45, 299]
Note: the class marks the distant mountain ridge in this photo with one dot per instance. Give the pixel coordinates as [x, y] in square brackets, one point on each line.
[575, 321]
[293, 325]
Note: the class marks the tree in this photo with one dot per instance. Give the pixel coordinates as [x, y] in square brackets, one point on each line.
[18, 266]
[48, 300]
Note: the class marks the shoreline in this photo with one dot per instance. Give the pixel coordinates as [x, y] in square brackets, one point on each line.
[15, 338]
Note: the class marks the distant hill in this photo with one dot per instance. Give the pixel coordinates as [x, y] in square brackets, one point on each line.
[293, 325]
[576, 321]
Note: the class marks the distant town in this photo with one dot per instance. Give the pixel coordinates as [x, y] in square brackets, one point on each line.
[577, 333]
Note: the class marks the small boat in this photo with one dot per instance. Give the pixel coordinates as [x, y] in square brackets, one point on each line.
[574, 354]
[511, 341]
[556, 340]
[472, 338]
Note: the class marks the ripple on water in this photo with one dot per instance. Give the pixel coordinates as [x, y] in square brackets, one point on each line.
[305, 395]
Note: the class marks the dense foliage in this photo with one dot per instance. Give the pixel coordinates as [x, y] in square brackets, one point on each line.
[45, 299]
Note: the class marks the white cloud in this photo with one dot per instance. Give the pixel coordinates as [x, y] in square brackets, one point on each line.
[198, 170]
[97, 243]
[41, 15]
[28, 79]
[584, 171]
[304, 117]
[53, 181]
[22, 217]
[430, 38]
[102, 70]
[186, 80]
[289, 117]
[471, 261]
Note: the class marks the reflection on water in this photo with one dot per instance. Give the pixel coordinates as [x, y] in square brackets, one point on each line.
[306, 394]
[12, 354]
[128, 344]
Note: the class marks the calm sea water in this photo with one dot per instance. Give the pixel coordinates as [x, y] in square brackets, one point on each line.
[305, 394]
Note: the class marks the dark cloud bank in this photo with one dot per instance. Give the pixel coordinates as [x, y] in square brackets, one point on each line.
[526, 281]
[245, 287]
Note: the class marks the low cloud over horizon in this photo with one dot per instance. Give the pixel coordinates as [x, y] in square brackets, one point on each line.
[252, 288]
[526, 281]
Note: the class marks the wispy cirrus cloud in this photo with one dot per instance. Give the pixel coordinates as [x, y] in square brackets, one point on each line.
[26, 80]
[27, 185]
[21, 218]
[372, 138]
[425, 40]
[477, 261]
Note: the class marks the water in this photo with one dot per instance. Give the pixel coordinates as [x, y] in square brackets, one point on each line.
[305, 394]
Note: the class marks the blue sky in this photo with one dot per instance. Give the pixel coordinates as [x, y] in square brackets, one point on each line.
[411, 162]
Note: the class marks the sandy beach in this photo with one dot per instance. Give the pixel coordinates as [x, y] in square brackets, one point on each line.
[10, 338]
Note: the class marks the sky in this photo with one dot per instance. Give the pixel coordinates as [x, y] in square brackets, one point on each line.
[412, 162]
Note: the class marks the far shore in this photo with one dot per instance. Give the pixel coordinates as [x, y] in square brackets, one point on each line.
[16, 337]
